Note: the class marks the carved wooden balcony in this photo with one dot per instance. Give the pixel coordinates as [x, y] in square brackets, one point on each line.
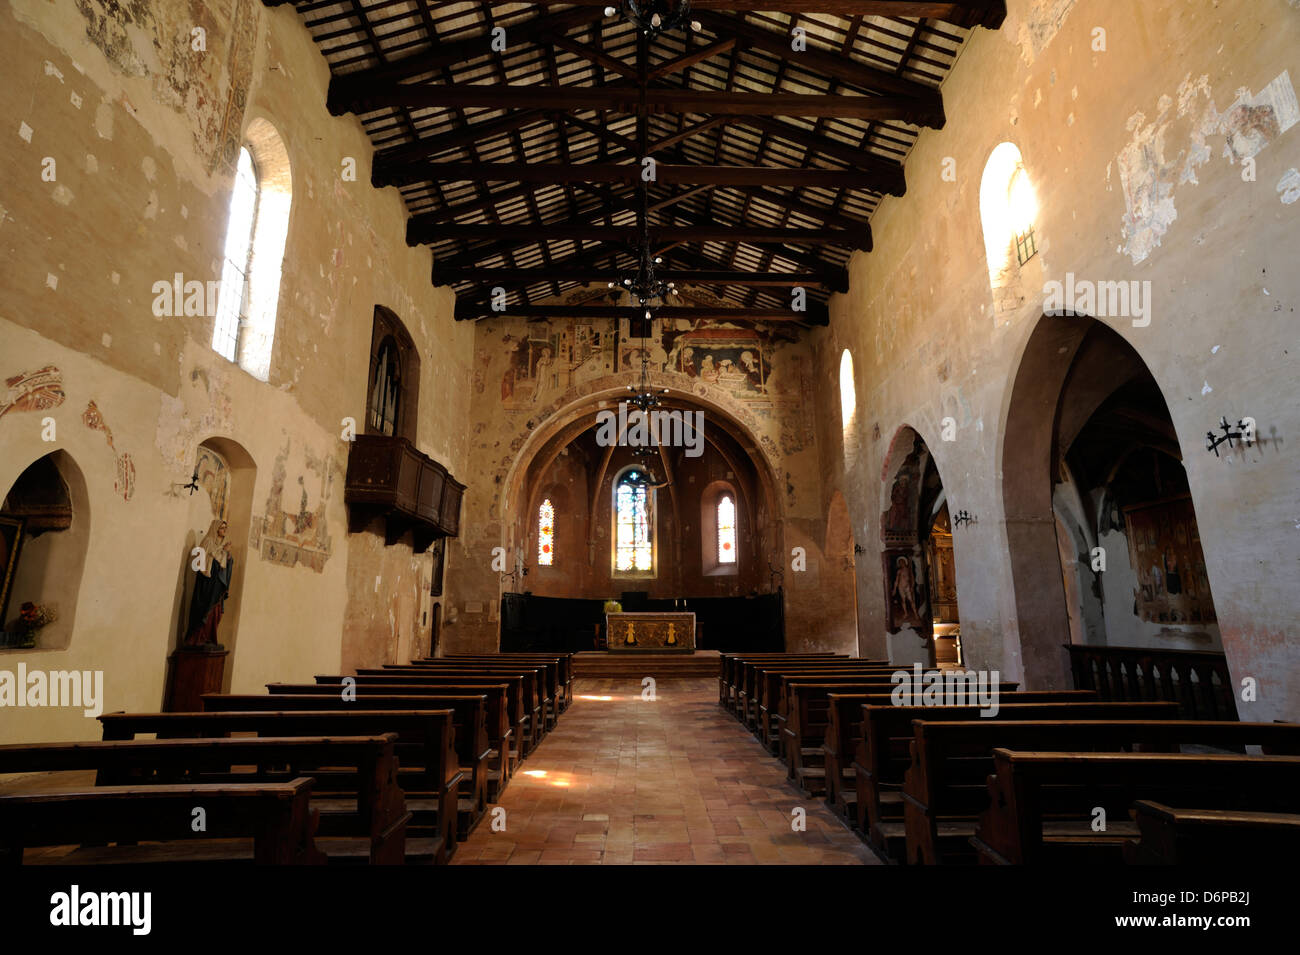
[388, 477]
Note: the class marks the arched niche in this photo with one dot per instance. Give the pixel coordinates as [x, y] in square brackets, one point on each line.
[711, 563]
[917, 562]
[225, 474]
[45, 520]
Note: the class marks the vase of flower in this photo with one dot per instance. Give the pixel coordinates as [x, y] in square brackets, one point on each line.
[32, 619]
[613, 606]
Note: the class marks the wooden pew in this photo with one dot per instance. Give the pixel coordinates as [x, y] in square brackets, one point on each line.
[275, 818]
[1041, 804]
[729, 675]
[499, 716]
[740, 668]
[763, 696]
[364, 818]
[472, 745]
[945, 787]
[428, 771]
[882, 754]
[562, 664]
[844, 728]
[558, 667]
[536, 710]
[748, 690]
[1210, 837]
[805, 719]
[769, 692]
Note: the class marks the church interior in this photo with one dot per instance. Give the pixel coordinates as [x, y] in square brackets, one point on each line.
[717, 432]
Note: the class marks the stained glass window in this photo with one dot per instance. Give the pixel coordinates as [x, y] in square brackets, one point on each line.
[726, 530]
[546, 533]
[633, 550]
[232, 303]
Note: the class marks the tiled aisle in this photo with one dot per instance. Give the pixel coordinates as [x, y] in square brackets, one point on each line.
[677, 781]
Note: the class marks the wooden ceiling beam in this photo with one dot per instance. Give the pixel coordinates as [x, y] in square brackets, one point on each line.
[565, 231]
[690, 59]
[905, 109]
[889, 175]
[847, 69]
[815, 315]
[665, 173]
[562, 272]
[962, 13]
[353, 92]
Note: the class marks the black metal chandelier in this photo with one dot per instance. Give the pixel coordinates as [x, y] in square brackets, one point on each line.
[653, 17]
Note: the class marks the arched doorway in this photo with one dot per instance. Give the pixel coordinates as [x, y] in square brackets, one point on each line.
[1104, 544]
[919, 572]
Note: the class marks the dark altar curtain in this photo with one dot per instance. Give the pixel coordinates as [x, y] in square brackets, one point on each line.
[208, 603]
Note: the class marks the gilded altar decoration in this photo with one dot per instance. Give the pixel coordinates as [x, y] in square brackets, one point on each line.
[651, 631]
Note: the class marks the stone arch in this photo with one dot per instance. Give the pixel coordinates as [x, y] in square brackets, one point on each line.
[1072, 374]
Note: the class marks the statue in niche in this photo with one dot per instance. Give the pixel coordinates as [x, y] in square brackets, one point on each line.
[211, 587]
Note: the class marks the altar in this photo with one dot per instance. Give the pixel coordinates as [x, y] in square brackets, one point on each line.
[660, 632]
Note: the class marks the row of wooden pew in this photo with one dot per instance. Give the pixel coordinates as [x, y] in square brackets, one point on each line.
[394, 765]
[1050, 777]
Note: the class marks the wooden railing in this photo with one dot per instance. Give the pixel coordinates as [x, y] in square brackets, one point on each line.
[1197, 680]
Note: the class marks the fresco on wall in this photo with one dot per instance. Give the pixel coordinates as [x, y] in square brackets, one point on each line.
[124, 467]
[213, 475]
[208, 86]
[37, 390]
[1164, 547]
[293, 529]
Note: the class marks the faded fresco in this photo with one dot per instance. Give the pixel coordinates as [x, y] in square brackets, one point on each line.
[763, 371]
[124, 467]
[294, 530]
[198, 59]
[1150, 176]
[37, 390]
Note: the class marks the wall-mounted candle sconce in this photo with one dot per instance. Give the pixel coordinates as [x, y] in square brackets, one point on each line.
[963, 517]
[1244, 431]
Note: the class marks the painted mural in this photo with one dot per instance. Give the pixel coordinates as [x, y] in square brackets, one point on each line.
[38, 390]
[213, 476]
[294, 530]
[124, 467]
[1164, 546]
[160, 42]
[536, 363]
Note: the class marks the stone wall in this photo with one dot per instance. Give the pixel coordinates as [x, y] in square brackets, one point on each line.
[142, 130]
[1138, 153]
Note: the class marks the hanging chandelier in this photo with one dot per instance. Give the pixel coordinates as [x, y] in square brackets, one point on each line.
[653, 17]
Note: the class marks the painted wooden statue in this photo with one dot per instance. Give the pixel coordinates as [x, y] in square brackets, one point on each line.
[211, 587]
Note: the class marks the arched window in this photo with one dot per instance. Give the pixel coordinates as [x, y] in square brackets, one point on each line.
[233, 302]
[633, 507]
[258, 225]
[546, 534]
[726, 530]
[848, 391]
[392, 401]
[1008, 207]
[386, 389]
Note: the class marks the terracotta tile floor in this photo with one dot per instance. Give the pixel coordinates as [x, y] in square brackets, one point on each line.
[674, 781]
